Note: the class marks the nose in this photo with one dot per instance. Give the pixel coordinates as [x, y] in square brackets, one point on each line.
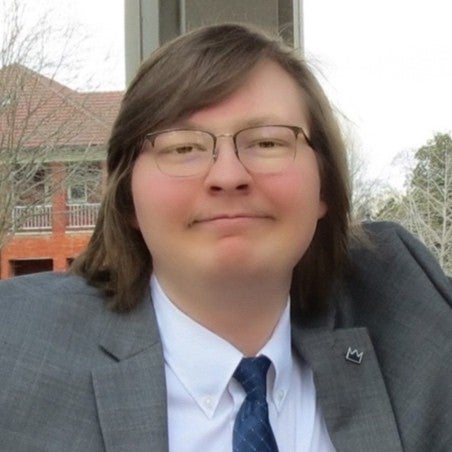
[227, 174]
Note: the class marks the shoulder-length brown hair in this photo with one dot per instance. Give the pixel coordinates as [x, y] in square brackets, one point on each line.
[194, 71]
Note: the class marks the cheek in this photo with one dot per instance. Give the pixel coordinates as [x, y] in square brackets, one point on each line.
[298, 193]
[159, 202]
[147, 198]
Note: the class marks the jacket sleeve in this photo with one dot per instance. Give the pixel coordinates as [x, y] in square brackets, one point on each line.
[399, 292]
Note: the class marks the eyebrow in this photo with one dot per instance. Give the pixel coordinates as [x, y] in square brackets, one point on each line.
[257, 121]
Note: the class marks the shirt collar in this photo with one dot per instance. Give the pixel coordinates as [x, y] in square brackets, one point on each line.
[188, 347]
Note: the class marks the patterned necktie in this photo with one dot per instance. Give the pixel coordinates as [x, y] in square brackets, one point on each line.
[252, 430]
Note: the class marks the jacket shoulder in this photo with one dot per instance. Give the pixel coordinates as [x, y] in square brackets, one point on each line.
[391, 254]
[43, 306]
[41, 285]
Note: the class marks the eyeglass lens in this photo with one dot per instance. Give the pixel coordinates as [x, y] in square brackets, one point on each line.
[263, 149]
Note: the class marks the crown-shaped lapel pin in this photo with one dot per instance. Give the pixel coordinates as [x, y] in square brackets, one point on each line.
[354, 355]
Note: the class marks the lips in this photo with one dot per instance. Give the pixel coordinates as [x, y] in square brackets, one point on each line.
[225, 217]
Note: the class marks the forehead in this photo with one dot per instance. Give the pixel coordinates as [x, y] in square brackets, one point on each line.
[268, 95]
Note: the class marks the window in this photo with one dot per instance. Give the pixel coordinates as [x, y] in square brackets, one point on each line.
[77, 194]
[32, 184]
[83, 182]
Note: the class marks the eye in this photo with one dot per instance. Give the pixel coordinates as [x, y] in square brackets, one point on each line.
[183, 149]
[267, 143]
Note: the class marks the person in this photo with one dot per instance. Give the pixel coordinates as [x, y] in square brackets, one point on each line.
[225, 289]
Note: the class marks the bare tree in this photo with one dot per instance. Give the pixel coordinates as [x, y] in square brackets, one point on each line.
[366, 191]
[43, 124]
[429, 197]
[426, 207]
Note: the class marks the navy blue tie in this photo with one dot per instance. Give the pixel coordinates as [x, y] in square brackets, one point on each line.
[252, 430]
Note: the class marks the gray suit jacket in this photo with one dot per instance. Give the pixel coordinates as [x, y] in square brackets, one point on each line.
[75, 376]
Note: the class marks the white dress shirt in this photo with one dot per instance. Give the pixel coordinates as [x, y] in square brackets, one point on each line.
[203, 398]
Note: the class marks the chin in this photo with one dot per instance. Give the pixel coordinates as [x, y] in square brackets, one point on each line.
[235, 263]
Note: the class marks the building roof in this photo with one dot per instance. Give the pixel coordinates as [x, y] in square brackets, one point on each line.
[37, 111]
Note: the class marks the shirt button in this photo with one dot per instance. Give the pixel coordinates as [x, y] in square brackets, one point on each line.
[208, 401]
[281, 394]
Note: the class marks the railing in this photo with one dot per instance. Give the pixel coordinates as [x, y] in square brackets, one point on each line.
[32, 218]
[82, 216]
[39, 218]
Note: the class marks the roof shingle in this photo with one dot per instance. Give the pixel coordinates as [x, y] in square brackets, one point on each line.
[37, 111]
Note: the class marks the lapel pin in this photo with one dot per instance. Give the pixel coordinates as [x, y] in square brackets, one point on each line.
[354, 356]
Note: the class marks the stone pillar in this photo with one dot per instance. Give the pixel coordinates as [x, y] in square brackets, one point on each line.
[150, 23]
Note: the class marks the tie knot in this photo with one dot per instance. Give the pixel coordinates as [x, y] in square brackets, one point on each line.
[251, 373]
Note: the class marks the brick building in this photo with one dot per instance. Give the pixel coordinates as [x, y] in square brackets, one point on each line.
[54, 138]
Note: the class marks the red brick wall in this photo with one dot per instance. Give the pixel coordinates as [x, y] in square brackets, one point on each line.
[58, 246]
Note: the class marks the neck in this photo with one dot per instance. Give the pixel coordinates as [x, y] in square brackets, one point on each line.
[243, 311]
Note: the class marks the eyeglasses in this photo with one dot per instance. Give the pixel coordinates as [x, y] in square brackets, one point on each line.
[261, 149]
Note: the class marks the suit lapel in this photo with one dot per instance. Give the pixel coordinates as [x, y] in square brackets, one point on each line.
[352, 395]
[131, 393]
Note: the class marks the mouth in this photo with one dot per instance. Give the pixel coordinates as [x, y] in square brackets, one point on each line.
[229, 218]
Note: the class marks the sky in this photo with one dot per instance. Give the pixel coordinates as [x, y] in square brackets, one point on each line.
[386, 65]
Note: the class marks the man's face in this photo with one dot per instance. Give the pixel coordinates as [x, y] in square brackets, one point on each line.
[230, 222]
